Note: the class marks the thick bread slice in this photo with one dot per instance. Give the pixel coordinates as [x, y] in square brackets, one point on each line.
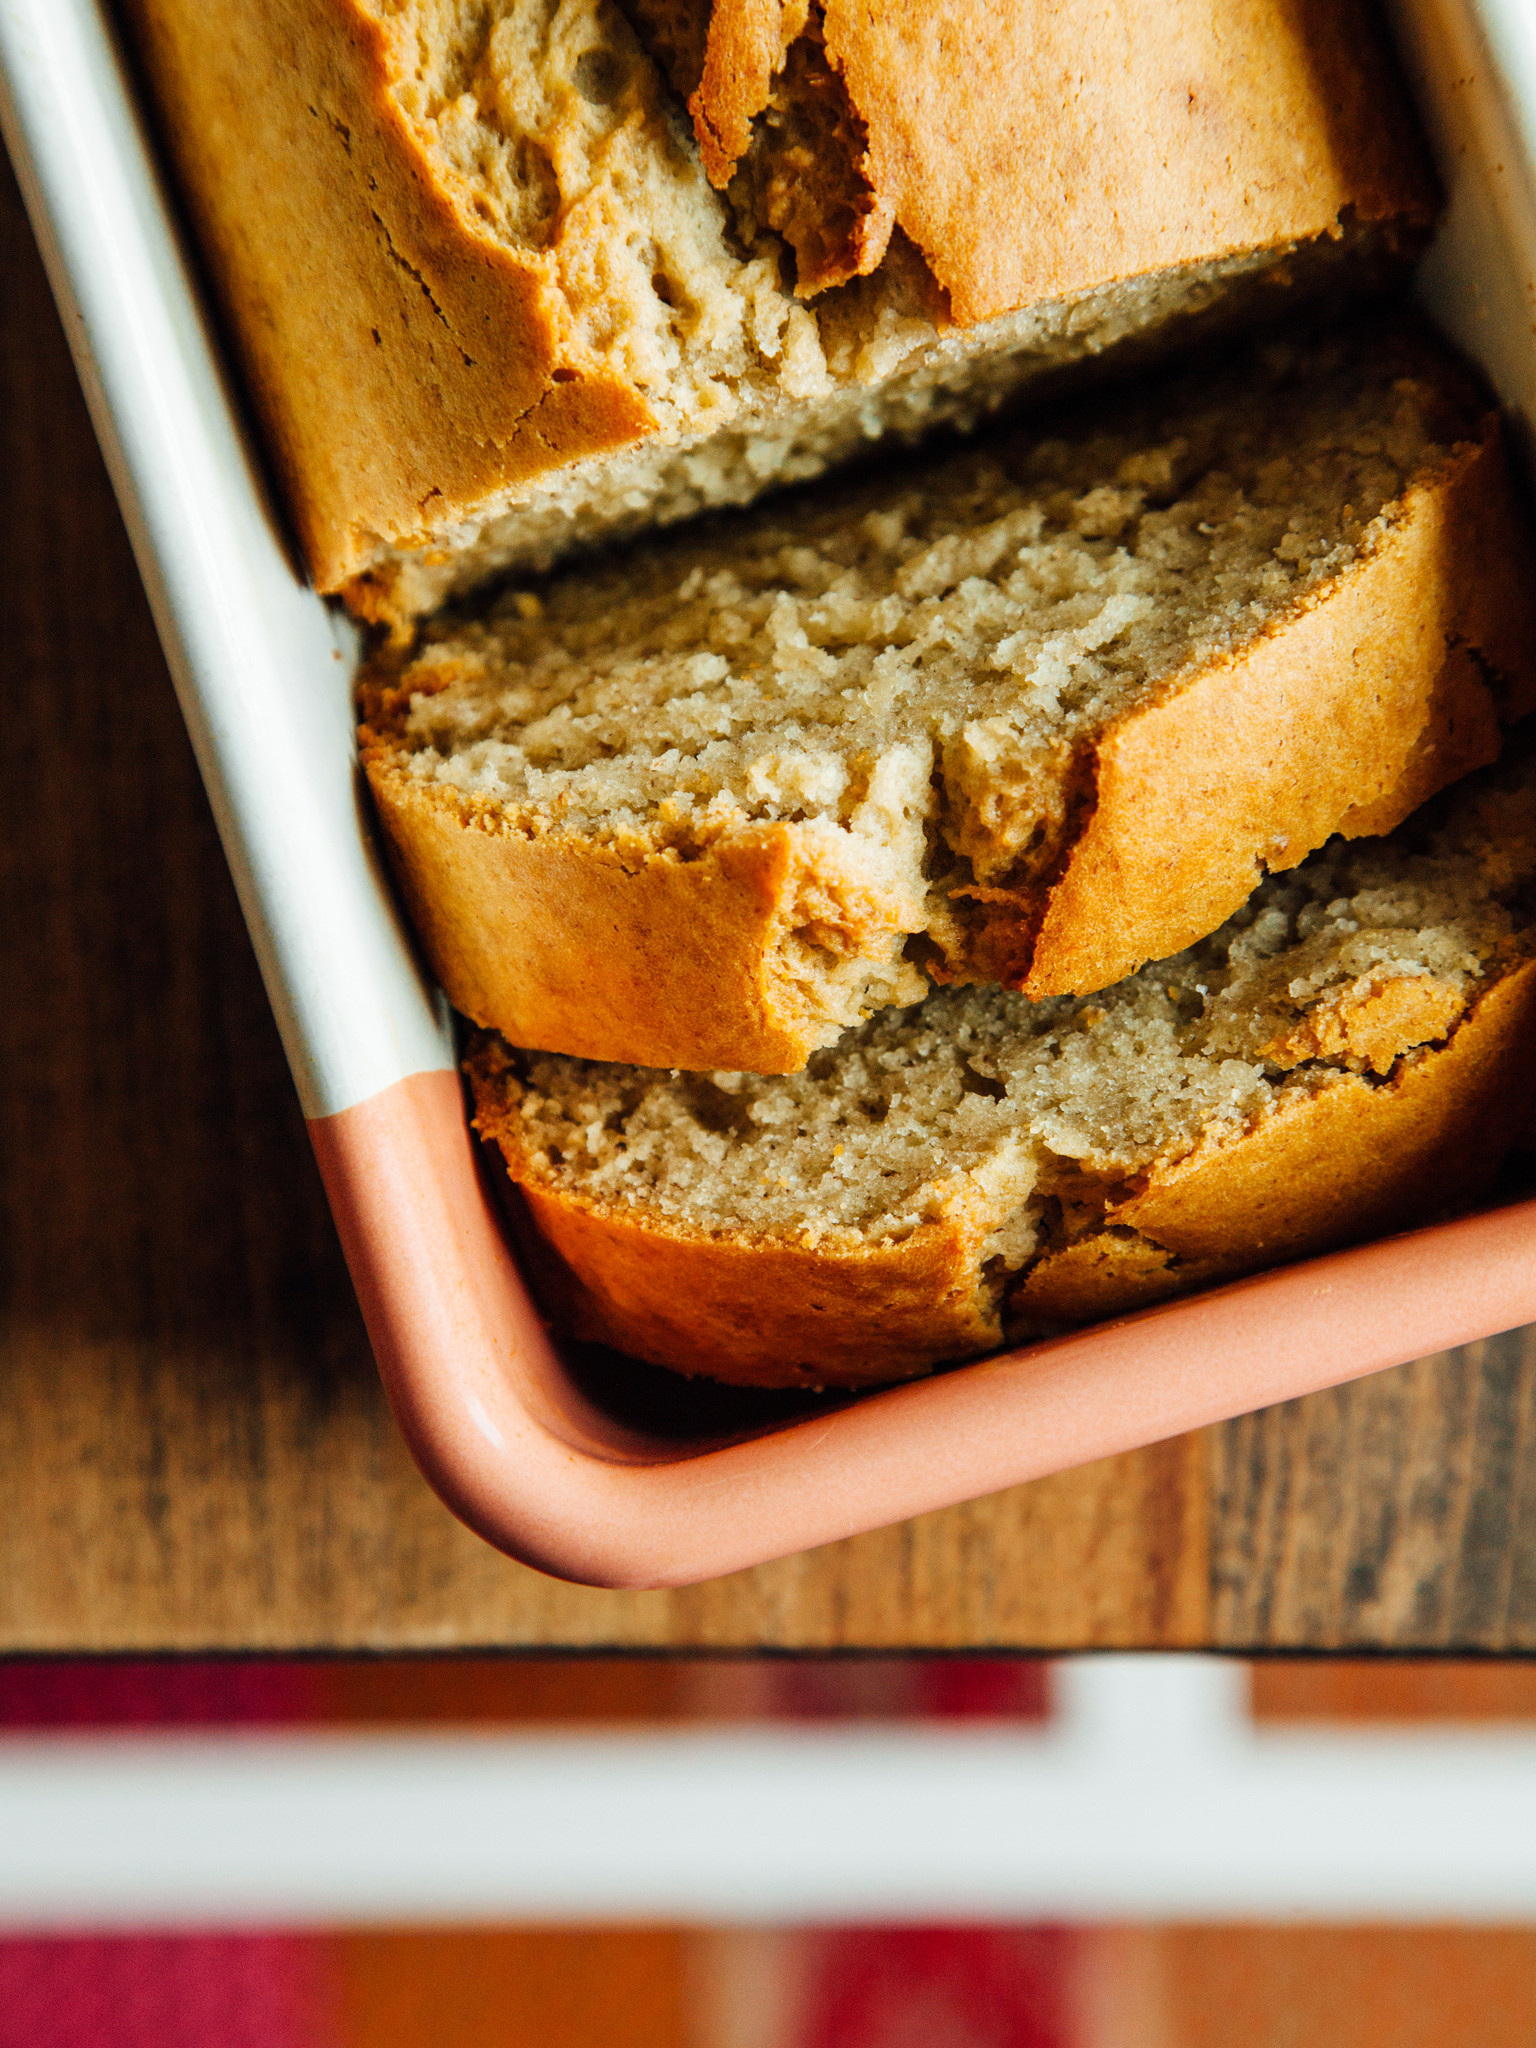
[983, 1167]
[489, 304]
[1033, 715]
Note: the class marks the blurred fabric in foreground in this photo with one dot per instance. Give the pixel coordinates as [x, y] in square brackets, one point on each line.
[668, 1987]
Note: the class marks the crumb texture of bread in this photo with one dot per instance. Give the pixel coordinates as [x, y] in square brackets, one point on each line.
[1352, 1052]
[491, 306]
[1032, 714]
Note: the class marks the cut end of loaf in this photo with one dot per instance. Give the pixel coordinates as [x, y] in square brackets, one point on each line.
[493, 309]
[769, 331]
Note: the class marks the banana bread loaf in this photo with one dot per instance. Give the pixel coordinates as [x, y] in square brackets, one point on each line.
[490, 304]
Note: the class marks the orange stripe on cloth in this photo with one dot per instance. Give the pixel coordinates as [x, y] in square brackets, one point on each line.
[512, 1988]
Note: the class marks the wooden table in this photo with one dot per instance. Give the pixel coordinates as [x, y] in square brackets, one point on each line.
[194, 1450]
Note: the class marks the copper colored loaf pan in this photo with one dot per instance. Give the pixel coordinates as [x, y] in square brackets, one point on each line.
[621, 1475]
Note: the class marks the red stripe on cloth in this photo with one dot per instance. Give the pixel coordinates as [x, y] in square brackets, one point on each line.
[142, 1692]
[936, 1987]
[166, 1991]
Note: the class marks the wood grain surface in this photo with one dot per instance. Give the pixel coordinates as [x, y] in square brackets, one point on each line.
[194, 1451]
[1398, 1513]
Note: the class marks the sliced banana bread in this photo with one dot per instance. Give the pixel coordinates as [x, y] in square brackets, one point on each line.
[1353, 1052]
[490, 305]
[1031, 714]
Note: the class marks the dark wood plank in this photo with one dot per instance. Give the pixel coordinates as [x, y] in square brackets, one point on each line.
[1398, 1513]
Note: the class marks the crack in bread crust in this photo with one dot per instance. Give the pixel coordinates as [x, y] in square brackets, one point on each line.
[854, 108]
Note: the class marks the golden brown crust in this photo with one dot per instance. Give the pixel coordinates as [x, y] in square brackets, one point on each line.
[1352, 1161]
[579, 946]
[1111, 1273]
[1372, 1026]
[805, 170]
[407, 363]
[768, 1314]
[1344, 717]
[755, 1311]
[1248, 125]
[746, 42]
[411, 365]
[1359, 1159]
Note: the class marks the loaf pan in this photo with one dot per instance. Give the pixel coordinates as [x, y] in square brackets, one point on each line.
[593, 1468]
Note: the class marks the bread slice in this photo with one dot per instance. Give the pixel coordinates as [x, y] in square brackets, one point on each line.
[1351, 1053]
[490, 305]
[1032, 714]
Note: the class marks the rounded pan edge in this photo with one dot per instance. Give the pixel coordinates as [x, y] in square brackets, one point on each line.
[511, 1446]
